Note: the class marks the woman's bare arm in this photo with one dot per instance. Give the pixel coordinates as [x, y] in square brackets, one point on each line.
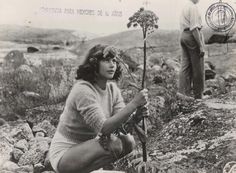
[116, 120]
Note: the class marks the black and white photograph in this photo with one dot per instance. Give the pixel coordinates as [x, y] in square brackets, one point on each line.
[117, 86]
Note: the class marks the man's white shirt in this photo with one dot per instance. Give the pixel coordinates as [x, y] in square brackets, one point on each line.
[190, 16]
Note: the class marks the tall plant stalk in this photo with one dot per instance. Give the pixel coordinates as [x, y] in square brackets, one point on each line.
[147, 20]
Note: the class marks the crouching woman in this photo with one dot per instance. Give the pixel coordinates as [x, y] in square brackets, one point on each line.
[94, 106]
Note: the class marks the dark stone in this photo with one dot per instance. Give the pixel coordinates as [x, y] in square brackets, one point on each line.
[158, 79]
[32, 49]
[208, 91]
[209, 70]
[211, 65]
[196, 119]
[38, 168]
[2, 122]
[47, 163]
[14, 59]
[209, 74]
[218, 38]
[16, 154]
[56, 48]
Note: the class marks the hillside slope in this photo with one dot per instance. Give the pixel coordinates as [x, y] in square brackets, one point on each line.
[131, 39]
[36, 35]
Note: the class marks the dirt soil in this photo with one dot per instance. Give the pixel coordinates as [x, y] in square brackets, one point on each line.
[201, 141]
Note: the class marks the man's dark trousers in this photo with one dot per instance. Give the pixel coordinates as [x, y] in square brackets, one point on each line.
[192, 67]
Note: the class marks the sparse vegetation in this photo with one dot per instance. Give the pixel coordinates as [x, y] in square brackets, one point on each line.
[184, 135]
[47, 84]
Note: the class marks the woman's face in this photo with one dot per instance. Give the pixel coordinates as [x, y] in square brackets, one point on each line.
[107, 68]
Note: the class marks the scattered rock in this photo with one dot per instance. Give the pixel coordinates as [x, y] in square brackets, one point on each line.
[10, 134]
[56, 48]
[172, 65]
[5, 149]
[212, 83]
[46, 128]
[32, 49]
[210, 65]
[36, 129]
[14, 147]
[208, 91]
[39, 134]
[14, 59]
[140, 67]
[38, 168]
[16, 154]
[22, 145]
[233, 93]
[10, 166]
[47, 163]
[156, 68]
[230, 76]
[22, 131]
[47, 139]
[36, 153]
[161, 102]
[220, 106]
[30, 94]
[2, 121]
[158, 79]
[197, 119]
[232, 39]
[184, 97]
[218, 38]
[209, 71]
[26, 169]
[25, 69]
[221, 83]
[217, 83]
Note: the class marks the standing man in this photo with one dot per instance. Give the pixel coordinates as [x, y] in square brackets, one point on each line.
[192, 44]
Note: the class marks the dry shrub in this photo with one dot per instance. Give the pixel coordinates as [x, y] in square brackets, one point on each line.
[163, 91]
[47, 84]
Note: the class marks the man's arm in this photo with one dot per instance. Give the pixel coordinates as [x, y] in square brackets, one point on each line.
[197, 36]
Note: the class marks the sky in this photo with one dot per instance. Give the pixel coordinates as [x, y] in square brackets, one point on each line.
[93, 16]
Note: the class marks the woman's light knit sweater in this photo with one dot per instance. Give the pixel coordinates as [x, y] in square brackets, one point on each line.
[86, 109]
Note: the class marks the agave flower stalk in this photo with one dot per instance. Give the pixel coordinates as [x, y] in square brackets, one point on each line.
[147, 20]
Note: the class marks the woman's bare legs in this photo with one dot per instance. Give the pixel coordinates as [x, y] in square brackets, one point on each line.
[128, 144]
[89, 156]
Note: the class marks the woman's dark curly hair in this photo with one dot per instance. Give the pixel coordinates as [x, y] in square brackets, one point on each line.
[89, 69]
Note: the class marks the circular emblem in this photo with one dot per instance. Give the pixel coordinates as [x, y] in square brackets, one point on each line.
[220, 17]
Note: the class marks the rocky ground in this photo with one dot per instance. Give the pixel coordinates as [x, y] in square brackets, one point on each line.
[201, 141]
[185, 136]
[24, 148]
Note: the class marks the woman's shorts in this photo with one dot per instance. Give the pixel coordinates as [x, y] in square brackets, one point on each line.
[58, 148]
